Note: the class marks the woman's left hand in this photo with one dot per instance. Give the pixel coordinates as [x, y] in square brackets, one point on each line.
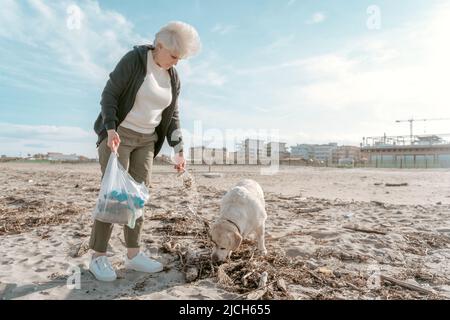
[180, 162]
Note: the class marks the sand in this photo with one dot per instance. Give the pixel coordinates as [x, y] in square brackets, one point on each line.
[331, 234]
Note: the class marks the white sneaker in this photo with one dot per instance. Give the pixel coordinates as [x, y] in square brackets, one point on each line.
[102, 269]
[142, 263]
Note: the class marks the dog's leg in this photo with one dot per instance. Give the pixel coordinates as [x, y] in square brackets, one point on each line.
[260, 238]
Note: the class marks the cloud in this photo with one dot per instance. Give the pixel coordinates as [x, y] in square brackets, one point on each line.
[291, 2]
[280, 43]
[223, 29]
[44, 133]
[33, 139]
[206, 73]
[38, 145]
[362, 88]
[87, 41]
[317, 17]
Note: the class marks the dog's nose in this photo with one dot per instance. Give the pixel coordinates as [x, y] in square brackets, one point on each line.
[214, 257]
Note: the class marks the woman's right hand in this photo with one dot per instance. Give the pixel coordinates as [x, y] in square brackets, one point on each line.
[113, 140]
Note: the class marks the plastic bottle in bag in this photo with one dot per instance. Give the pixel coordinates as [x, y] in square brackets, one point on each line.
[121, 199]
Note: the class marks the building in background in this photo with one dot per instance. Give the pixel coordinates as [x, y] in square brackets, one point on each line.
[276, 150]
[251, 151]
[318, 152]
[302, 151]
[424, 151]
[346, 154]
[209, 156]
[324, 152]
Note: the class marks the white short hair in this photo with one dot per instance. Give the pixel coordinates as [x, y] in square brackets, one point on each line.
[180, 38]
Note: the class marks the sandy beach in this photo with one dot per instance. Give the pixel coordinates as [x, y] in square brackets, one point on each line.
[330, 234]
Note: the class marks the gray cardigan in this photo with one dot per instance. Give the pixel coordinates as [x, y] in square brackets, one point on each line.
[120, 92]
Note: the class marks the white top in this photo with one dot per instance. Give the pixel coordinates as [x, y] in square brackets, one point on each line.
[154, 95]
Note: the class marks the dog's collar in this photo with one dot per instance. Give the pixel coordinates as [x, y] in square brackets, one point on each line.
[233, 223]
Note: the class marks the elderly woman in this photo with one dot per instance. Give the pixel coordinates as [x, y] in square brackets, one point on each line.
[139, 109]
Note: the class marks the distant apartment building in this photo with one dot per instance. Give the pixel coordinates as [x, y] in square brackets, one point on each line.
[303, 151]
[204, 155]
[323, 152]
[277, 147]
[320, 152]
[232, 157]
[251, 151]
[346, 153]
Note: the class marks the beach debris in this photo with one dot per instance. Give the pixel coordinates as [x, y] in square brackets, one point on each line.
[349, 215]
[223, 277]
[378, 203]
[187, 183]
[191, 274]
[325, 271]
[281, 284]
[212, 175]
[167, 246]
[140, 285]
[309, 210]
[263, 279]
[18, 215]
[362, 229]
[79, 234]
[396, 184]
[188, 179]
[256, 294]
[244, 278]
[407, 285]
[79, 249]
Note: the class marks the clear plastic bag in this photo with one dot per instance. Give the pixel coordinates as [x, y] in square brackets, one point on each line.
[121, 199]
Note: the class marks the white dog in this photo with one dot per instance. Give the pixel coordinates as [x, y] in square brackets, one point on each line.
[242, 212]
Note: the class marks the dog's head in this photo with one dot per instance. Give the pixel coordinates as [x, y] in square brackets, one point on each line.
[226, 238]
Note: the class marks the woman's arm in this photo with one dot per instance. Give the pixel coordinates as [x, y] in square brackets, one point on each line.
[118, 81]
[174, 137]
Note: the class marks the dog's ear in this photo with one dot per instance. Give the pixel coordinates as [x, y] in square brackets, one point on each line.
[237, 239]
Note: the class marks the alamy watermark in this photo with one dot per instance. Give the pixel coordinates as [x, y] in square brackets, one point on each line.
[374, 19]
[74, 279]
[232, 146]
[74, 17]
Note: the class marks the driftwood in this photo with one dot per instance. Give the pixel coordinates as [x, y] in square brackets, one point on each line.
[308, 210]
[244, 278]
[255, 294]
[396, 184]
[379, 203]
[406, 285]
[360, 229]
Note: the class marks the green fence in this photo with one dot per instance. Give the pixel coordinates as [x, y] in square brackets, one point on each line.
[409, 162]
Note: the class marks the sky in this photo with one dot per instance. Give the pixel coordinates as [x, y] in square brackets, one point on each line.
[289, 70]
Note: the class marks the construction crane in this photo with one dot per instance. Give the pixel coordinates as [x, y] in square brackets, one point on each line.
[411, 124]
